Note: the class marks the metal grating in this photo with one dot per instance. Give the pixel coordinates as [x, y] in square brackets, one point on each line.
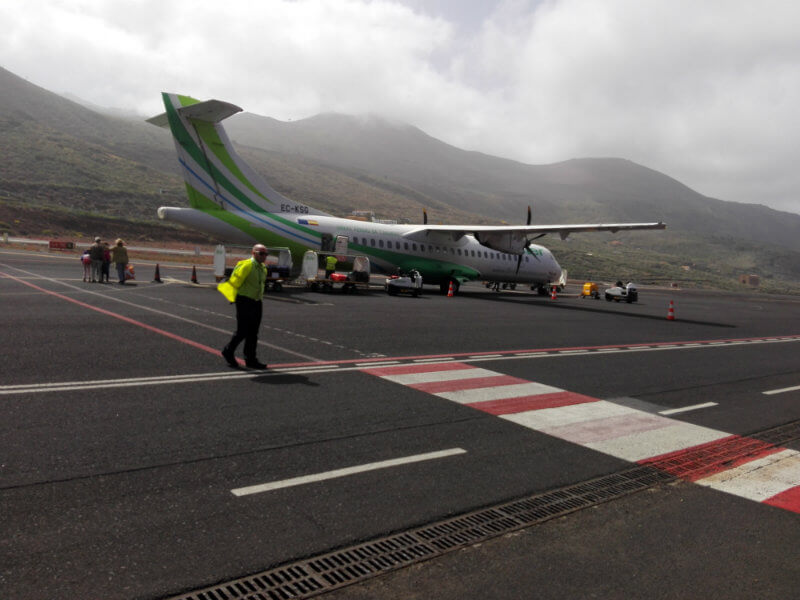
[320, 574]
[309, 577]
[780, 435]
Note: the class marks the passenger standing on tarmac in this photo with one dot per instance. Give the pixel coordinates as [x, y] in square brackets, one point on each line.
[245, 287]
[106, 262]
[86, 261]
[119, 255]
[330, 266]
[96, 254]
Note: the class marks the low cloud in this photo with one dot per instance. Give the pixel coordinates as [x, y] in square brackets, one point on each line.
[705, 92]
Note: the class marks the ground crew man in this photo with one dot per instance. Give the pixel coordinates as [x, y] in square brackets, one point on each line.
[330, 266]
[245, 287]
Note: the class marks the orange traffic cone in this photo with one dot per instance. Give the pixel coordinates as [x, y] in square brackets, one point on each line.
[194, 274]
[157, 276]
[671, 311]
[450, 290]
[553, 293]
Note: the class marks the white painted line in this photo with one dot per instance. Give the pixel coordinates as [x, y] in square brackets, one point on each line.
[434, 360]
[572, 351]
[305, 369]
[529, 354]
[675, 411]
[641, 445]
[781, 391]
[377, 363]
[276, 485]
[759, 479]
[486, 356]
[435, 376]
[498, 392]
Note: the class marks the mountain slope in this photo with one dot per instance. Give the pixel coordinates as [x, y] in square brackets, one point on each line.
[582, 190]
[55, 153]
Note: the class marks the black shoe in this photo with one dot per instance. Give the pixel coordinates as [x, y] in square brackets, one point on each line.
[230, 359]
[254, 364]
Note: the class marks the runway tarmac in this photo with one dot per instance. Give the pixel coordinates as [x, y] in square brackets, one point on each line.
[135, 464]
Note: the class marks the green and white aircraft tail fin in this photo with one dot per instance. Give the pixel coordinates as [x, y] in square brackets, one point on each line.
[232, 198]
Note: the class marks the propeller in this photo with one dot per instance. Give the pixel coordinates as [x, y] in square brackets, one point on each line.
[519, 258]
[424, 217]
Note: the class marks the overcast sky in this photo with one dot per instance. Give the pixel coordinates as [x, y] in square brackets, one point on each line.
[706, 91]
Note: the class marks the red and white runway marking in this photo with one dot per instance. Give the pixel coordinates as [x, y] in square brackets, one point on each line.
[745, 467]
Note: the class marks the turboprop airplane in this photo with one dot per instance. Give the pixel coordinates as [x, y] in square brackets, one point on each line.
[232, 202]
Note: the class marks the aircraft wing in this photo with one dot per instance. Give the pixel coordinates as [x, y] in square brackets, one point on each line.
[514, 238]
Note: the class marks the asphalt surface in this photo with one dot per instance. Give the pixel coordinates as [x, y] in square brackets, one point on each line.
[124, 437]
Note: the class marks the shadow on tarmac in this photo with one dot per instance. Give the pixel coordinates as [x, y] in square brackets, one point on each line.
[547, 303]
[284, 379]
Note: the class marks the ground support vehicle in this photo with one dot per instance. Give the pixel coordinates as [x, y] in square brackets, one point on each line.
[356, 276]
[620, 292]
[404, 282]
[591, 290]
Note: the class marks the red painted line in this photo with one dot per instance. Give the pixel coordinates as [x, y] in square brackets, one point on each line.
[118, 316]
[788, 499]
[505, 353]
[704, 460]
[413, 369]
[457, 385]
[508, 406]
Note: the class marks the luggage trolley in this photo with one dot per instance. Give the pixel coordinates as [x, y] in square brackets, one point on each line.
[312, 273]
[279, 268]
[278, 264]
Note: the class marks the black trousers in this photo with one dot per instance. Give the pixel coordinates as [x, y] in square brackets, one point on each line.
[248, 321]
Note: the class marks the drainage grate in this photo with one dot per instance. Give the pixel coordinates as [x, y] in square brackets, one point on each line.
[309, 577]
[780, 435]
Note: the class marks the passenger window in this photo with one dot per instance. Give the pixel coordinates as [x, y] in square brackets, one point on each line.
[414, 247]
[405, 245]
[459, 251]
[380, 243]
[372, 242]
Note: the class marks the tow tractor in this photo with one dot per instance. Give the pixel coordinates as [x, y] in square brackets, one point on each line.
[404, 282]
[620, 292]
[312, 275]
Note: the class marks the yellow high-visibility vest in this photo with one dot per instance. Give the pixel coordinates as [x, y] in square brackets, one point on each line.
[230, 288]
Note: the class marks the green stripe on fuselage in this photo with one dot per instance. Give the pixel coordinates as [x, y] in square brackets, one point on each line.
[262, 234]
[433, 271]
